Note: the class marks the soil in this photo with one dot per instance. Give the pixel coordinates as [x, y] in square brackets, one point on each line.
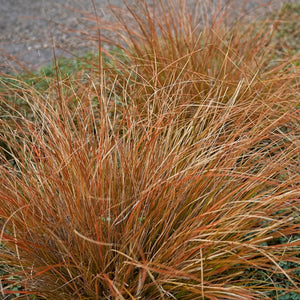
[30, 28]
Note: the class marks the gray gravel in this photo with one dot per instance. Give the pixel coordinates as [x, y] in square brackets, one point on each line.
[25, 29]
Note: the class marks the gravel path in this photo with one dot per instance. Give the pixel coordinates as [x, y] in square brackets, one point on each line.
[25, 34]
[24, 29]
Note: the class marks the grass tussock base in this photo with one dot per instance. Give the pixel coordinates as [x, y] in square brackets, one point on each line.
[167, 172]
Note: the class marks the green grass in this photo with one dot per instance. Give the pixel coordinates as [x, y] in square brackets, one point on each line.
[168, 172]
[287, 37]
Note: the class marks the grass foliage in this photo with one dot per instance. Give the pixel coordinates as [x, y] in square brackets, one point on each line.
[167, 170]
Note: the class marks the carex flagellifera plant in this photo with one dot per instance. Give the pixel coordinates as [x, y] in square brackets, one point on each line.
[166, 171]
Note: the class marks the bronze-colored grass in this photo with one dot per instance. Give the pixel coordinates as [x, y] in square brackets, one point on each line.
[169, 174]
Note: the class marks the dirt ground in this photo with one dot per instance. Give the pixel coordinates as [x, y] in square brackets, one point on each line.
[26, 27]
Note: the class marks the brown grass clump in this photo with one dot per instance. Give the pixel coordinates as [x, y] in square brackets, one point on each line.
[170, 173]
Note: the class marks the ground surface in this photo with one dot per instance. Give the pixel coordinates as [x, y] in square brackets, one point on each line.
[25, 27]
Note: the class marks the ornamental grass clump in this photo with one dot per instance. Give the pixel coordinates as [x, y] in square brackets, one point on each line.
[167, 172]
